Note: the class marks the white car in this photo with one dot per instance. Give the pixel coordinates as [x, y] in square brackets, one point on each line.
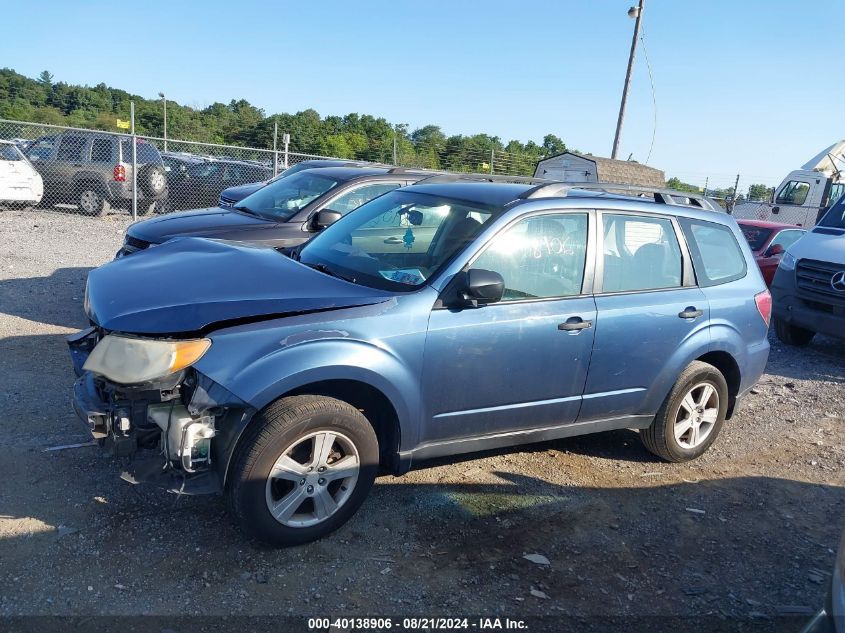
[20, 184]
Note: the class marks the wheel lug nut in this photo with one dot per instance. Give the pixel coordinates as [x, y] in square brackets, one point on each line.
[321, 481]
[310, 488]
[321, 469]
[301, 482]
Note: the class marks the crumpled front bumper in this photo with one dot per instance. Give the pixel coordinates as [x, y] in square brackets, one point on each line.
[123, 418]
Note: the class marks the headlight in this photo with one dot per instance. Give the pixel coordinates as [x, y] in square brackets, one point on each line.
[787, 262]
[128, 360]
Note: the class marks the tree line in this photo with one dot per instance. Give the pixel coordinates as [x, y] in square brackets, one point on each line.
[354, 136]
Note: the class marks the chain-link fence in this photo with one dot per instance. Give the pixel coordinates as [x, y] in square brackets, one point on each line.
[96, 172]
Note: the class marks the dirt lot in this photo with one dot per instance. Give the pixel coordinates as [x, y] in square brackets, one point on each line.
[748, 531]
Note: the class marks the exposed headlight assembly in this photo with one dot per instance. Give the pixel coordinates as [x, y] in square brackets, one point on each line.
[127, 360]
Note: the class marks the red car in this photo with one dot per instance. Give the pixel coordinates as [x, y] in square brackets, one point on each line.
[769, 241]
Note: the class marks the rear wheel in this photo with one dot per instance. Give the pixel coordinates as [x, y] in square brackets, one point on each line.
[91, 201]
[303, 469]
[792, 334]
[691, 417]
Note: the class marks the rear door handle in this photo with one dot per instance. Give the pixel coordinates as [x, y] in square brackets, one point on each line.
[691, 312]
[574, 324]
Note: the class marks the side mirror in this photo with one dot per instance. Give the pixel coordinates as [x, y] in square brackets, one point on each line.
[774, 249]
[325, 218]
[482, 287]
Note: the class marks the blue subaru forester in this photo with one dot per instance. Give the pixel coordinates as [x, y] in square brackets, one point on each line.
[443, 318]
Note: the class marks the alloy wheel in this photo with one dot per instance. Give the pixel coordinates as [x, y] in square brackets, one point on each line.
[312, 479]
[696, 415]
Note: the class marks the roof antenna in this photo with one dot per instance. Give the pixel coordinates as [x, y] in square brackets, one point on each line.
[629, 155]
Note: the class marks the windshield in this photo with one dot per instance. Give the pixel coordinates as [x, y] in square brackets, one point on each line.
[284, 198]
[9, 152]
[755, 235]
[835, 217]
[397, 241]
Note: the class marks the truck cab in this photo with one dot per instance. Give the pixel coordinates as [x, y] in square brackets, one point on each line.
[805, 195]
[801, 199]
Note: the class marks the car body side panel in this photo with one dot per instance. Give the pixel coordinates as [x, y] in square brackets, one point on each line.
[737, 327]
[261, 362]
[641, 346]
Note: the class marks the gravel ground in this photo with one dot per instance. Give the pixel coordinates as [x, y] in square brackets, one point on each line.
[747, 531]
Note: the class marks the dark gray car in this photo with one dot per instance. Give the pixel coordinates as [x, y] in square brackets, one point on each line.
[94, 171]
[285, 213]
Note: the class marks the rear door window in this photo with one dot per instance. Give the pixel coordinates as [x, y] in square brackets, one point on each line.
[640, 253]
[716, 255]
[72, 149]
[101, 151]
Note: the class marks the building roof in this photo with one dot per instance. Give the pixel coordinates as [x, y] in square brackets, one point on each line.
[612, 170]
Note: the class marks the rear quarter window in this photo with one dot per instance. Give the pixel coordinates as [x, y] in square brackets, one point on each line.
[716, 255]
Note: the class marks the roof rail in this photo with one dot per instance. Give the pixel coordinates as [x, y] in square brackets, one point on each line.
[413, 170]
[561, 189]
[446, 177]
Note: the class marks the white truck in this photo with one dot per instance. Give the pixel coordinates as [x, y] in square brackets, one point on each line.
[805, 194]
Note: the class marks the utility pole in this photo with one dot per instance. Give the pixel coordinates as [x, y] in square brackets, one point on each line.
[275, 152]
[634, 12]
[164, 101]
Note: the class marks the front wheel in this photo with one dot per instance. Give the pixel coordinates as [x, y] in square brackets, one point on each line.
[792, 334]
[302, 470]
[691, 417]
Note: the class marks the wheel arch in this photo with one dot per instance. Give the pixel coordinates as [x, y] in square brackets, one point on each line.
[729, 368]
[379, 410]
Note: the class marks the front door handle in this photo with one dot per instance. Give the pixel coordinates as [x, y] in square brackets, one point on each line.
[574, 324]
[690, 312]
[393, 240]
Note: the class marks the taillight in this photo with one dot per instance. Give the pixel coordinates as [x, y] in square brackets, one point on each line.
[764, 305]
[119, 173]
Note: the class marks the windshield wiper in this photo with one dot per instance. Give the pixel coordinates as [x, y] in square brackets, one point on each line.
[245, 210]
[325, 269]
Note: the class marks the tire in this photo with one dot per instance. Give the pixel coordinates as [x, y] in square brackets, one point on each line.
[152, 180]
[91, 200]
[792, 334]
[664, 437]
[288, 434]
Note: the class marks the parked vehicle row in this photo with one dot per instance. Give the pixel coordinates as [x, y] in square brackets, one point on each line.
[444, 317]
[284, 213]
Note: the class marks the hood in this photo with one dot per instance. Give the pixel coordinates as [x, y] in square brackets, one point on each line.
[189, 285]
[213, 222]
[241, 191]
[820, 247]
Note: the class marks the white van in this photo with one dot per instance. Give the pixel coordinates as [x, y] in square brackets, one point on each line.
[808, 289]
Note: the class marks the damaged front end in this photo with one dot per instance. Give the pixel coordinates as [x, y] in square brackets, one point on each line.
[173, 430]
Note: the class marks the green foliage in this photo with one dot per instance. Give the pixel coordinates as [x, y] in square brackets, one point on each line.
[760, 192]
[354, 136]
[676, 183]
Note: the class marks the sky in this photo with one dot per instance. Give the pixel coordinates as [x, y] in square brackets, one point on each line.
[747, 87]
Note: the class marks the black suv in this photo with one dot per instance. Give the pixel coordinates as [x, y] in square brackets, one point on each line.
[285, 213]
[199, 184]
[94, 171]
